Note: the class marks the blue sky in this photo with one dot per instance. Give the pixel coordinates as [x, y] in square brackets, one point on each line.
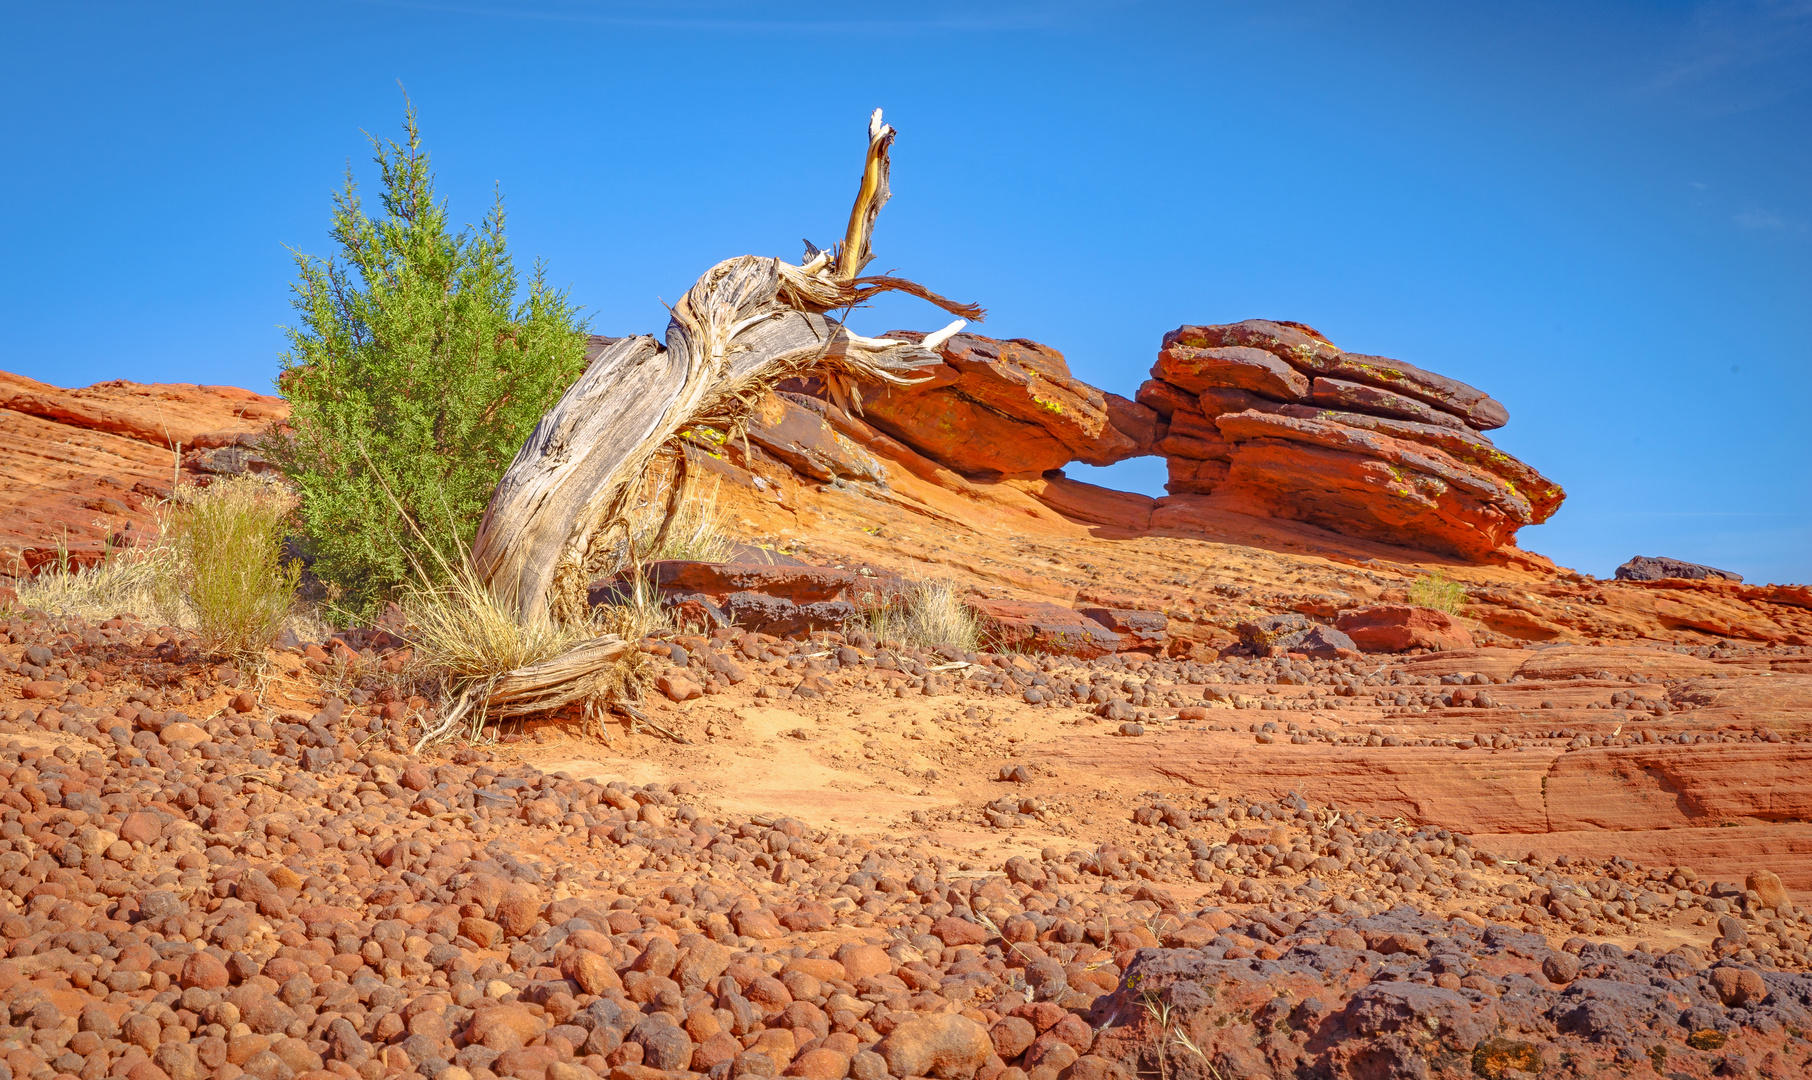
[1601, 213]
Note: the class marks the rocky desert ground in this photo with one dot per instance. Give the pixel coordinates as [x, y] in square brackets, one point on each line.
[1214, 801]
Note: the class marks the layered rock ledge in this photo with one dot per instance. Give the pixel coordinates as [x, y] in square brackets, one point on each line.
[1274, 420]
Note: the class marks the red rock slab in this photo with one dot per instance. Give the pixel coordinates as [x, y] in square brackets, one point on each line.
[1141, 629]
[1434, 463]
[968, 437]
[82, 471]
[1480, 410]
[1357, 397]
[1566, 661]
[1009, 408]
[1165, 399]
[1313, 354]
[1096, 505]
[1401, 627]
[1192, 434]
[1659, 787]
[1414, 498]
[793, 430]
[1779, 700]
[800, 584]
[1301, 346]
[1219, 400]
[1710, 611]
[1459, 443]
[1140, 423]
[1189, 476]
[1717, 853]
[1497, 662]
[1034, 626]
[1237, 366]
[162, 414]
[1470, 790]
[1791, 595]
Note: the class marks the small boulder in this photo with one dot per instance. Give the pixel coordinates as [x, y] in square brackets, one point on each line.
[1399, 627]
[1738, 987]
[518, 910]
[1036, 626]
[141, 827]
[184, 733]
[949, 1046]
[1767, 885]
[41, 690]
[1291, 632]
[204, 971]
[861, 961]
[1660, 567]
[1011, 1035]
[953, 931]
[678, 687]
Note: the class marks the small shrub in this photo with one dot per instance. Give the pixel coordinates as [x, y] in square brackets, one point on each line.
[229, 571]
[413, 379]
[924, 615]
[1436, 592]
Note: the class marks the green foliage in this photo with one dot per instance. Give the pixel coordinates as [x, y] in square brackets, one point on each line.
[413, 379]
[1435, 591]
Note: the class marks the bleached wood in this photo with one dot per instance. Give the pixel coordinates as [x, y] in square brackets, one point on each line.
[563, 509]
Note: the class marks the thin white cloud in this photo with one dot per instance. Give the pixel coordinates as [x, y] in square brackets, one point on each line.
[1737, 55]
[1766, 221]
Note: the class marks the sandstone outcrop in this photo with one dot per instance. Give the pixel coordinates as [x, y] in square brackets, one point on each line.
[546, 907]
[1271, 418]
[82, 470]
[757, 591]
[1009, 408]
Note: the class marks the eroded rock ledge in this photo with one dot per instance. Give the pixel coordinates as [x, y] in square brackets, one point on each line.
[1267, 418]
[1274, 420]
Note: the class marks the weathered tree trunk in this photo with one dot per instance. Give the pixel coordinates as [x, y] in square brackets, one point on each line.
[565, 504]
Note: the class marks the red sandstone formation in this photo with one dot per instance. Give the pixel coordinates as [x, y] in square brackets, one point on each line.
[1272, 419]
[982, 865]
[83, 469]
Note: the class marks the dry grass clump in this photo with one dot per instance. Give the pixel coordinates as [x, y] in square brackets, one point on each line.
[459, 628]
[494, 665]
[698, 531]
[230, 569]
[217, 569]
[923, 615]
[132, 581]
[1438, 593]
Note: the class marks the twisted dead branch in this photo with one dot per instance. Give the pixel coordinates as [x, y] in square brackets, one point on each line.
[561, 513]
